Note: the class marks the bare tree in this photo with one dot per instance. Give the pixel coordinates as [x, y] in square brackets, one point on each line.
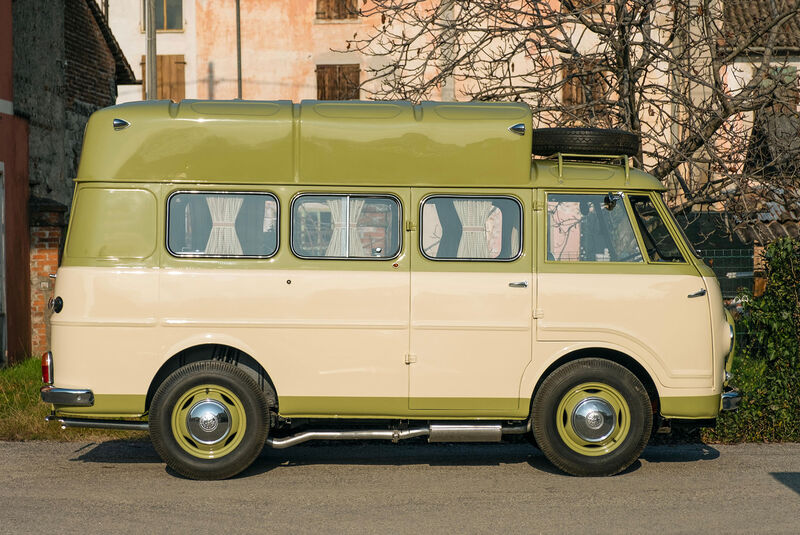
[708, 93]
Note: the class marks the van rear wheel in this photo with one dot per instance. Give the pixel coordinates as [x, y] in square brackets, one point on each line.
[208, 420]
[592, 417]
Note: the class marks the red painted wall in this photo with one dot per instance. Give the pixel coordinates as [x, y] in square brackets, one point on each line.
[6, 51]
[14, 155]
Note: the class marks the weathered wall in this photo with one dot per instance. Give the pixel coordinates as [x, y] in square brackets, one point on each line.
[282, 43]
[39, 88]
[63, 71]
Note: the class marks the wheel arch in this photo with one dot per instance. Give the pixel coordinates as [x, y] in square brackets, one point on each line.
[221, 352]
[613, 355]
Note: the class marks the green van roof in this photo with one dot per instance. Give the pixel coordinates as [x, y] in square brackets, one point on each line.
[465, 144]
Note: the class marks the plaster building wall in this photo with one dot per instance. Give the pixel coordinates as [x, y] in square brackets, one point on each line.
[282, 43]
[126, 19]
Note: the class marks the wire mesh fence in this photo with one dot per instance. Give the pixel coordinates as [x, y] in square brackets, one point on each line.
[733, 267]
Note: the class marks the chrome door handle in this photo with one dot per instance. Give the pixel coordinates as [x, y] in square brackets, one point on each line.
[521, 284]
[699, 293]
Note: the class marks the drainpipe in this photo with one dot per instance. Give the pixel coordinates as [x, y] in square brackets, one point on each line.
[238, 50]
[151, 77]
[448, 45]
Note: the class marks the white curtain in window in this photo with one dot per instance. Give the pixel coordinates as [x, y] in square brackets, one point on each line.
[338, 244]
[514, 242]
[356, 247]
[223, 239]
[473, 214]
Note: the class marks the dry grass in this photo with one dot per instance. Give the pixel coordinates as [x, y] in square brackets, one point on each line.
[22, 411]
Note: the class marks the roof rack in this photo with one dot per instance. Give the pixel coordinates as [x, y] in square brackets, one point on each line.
[628, 161]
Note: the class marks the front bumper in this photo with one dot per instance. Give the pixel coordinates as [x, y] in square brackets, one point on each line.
[730, 400]
[67, 396]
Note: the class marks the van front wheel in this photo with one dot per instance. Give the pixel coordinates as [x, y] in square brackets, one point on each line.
[208, 420]
[592, 417]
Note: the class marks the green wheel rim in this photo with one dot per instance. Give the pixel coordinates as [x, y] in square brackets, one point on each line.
[222, 397]
[608, 396]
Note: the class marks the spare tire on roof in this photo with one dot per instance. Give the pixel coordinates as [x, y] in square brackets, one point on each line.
[606, 141]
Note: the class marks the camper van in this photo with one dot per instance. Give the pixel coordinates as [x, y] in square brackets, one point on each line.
[239, 274]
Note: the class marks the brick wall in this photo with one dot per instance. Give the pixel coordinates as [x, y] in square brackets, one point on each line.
[44, 260]
[90, 70]
[47, 226]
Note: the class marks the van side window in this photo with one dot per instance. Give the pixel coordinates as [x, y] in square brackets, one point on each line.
[219, 224]
[590, 228]
[471, 228]
[346, 226]
[658, 242]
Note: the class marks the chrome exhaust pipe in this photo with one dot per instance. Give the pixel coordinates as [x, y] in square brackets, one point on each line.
[434, 432]
[125, 425]
[393, 435]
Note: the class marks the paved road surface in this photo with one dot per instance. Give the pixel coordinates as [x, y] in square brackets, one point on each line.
[48, 487]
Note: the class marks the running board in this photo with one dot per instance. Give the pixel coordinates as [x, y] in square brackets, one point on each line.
[434, 432]
[125, 425]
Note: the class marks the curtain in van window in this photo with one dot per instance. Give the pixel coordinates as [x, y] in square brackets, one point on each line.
[356, 247]
[473, 215]
[338, 243]
[223, 239]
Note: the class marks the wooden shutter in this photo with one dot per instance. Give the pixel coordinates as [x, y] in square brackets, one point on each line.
[171, 73]
[338, 82]
[337, 9]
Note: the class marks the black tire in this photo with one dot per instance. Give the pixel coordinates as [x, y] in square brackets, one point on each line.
[611, 141]
[195, 447]
[557, 429]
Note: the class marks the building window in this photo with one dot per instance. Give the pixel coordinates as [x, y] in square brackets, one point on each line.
[346, 226]
[471, 228]
[337, 9]
[584, 95]
[223, 225]
[338, 82]
[169, 14]
[170, 77]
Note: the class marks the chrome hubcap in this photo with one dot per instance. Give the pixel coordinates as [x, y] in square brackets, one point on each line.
[208, 421]
[593, 419]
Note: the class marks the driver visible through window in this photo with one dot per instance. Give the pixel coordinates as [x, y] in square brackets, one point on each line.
[590, 228]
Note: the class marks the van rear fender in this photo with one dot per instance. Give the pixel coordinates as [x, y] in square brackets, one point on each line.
[221, 352]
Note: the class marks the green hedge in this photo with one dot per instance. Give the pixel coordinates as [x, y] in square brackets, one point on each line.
[767, 361]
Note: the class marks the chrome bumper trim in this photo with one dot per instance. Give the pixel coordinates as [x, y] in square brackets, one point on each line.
[125, 425]
[730, 400]
[67, 396]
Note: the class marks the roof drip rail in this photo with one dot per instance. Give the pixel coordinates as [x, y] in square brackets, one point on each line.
[628, 162]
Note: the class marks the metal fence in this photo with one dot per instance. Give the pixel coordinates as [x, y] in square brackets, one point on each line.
[734, 269]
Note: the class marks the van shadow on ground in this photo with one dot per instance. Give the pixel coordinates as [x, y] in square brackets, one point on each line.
[406, 453]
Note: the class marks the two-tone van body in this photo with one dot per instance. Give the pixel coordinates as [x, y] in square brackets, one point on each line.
[242, 273]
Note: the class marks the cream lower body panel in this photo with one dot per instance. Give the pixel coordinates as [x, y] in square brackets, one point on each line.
[329, 334]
